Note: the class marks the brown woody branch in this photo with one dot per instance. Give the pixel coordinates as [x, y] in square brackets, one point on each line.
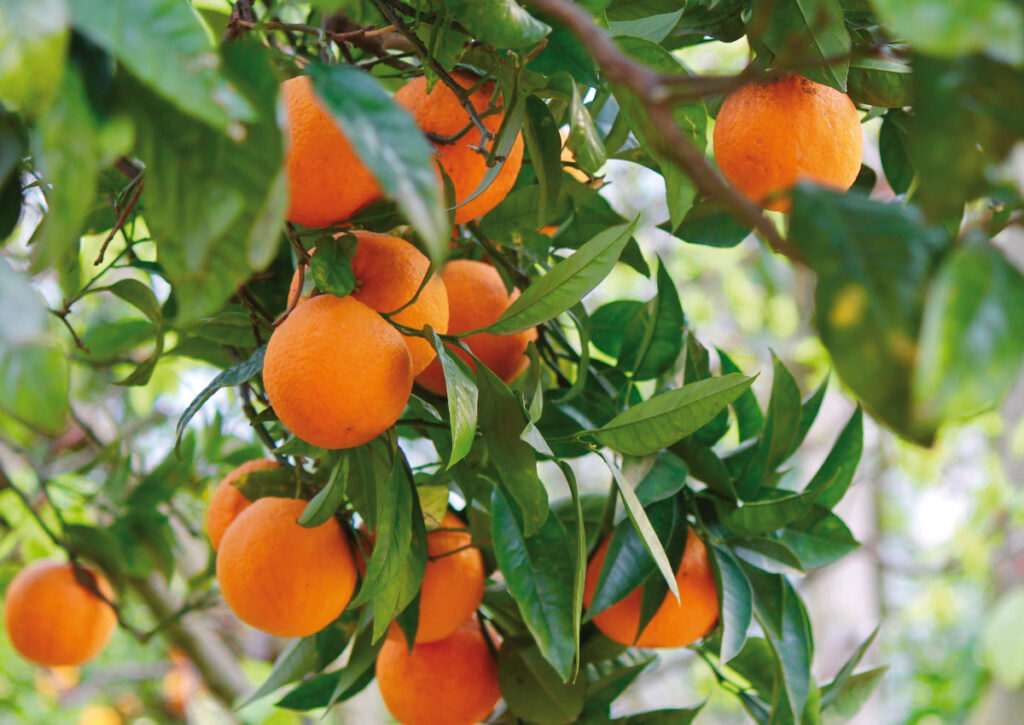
[654, 92]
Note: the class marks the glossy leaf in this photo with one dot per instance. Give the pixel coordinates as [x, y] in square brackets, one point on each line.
[566, 283]
[880, 82]
[462, 399]
[539, 576]
[531, 687]
[815, 27]
[584, 140]
[736, 603]
[301, 657]
[501, 23]
[834, 476]
[667, 417]
[328, 499]
[544, 145]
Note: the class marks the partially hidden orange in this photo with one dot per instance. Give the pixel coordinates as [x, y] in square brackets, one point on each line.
[227, 501]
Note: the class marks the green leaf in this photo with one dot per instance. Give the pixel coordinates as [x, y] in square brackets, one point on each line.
[853, 695]
[736, 603]
[33, 51]
[749, 417]
[880, 82]
[815, 27]
[584, 140]
[235, 375]
[392, 147]
[143, 299]
[957, 28]
[462, 399]
[832, 690]
[972, 335]
[819, 539]
[662, 420]
[65, 145]
[603, 691]
[566, 283]
[164, 45]
[544, 146]
[709, 223]
[652, 27]
[872, 261]
[653, 341]
[778, 437]
[34, 385]
[501, 23]
[781, 613]
[834, 476]
[328, 499]
[301, 657]
[278, 482]
[395, 568]
[809, 412]
[642, 525]
[608, 325]
[358, 671]
[761, 517]
[564, 53]
[539, 576]
[501, 422]
[331, 266]
[1002, 641]
[213, 205]
[533, 690]
[892, 148]
[658, 717]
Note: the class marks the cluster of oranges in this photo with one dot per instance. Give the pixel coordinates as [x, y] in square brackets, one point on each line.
[338, 373]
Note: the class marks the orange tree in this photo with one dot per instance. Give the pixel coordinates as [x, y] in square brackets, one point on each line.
[141, 162]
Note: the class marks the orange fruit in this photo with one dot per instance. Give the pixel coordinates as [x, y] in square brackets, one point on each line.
[768, 136]
[283, 578]
[227, 501]
[476, 298]
[327, 182]
[388, 272]
[336, 373]
[439, 112]
[453, 583]
[453, 681]
[675, 624]
[56, 681]
[54, 620]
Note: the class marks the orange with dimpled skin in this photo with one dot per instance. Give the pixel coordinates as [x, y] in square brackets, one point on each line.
[768, 136]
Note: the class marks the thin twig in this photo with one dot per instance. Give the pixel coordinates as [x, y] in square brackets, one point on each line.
[62, 315]
[138, 182]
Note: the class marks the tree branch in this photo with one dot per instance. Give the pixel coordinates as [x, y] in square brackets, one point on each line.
[650, 86]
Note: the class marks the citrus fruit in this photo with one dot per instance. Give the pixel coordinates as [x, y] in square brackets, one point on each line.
[99, 715]
[327, 183]
[388, 272]
[476, 298]
[453, 583]
[453, 681]
[768, 136]
[336, 373]
[675, 624]
[283, 578]
[227, 501]
[439, 112]
[54, 620]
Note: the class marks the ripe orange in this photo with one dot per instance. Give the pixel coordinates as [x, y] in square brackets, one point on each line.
[52, 619]
[439, 112]
[327, 182]
[388, 272]
[227, 501]
[675, 624]
[453, 681]
[453, 584]
[283, 578]
[336, 373]
[99, 715]
[768, 136]
[476, 298]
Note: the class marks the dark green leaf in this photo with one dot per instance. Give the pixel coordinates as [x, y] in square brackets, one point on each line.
[653, 343]
[667, 417]
[761, 517]
[819, 539]
[462, 399]
[533, 690]
[749, 417]
[358, 670]
[566, 283]
[501, 423]
[880, 82]
[652, 27]
[584, 140]
[834, 476]
[815, 27]
[708, 223]
[328, 499]
[736, 601]
[608, 325]
[301, 657]
[892, 147]
[544, 146]
[855, 691]
[331, 266]
[392, 147]
[539, 576]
